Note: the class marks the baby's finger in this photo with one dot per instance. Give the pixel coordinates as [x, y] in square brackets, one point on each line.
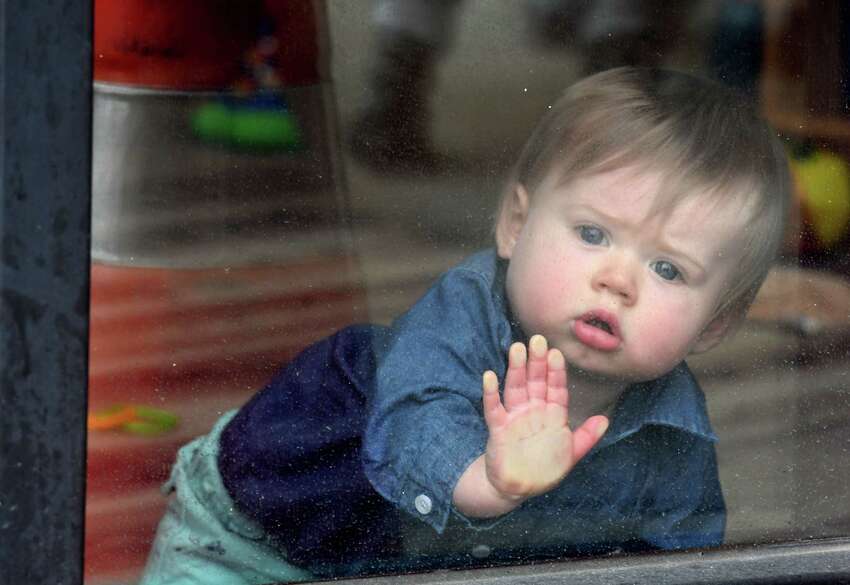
[556, 392]
[537, 367]
[587, 435]
[557, 378]
[515, 389]
[494, 413]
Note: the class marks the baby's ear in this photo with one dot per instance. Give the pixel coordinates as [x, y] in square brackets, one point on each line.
[714, 332]
[512, 216]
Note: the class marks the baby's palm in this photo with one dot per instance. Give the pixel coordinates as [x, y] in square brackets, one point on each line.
[531, 447]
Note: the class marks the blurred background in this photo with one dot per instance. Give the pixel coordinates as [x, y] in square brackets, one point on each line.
[268, 171]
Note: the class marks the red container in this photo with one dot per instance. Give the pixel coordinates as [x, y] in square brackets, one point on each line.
[199, 44]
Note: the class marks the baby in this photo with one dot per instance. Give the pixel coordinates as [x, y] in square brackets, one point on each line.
[635, 230]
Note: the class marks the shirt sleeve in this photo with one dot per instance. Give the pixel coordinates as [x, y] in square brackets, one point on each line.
[426, 423]
[687, 509]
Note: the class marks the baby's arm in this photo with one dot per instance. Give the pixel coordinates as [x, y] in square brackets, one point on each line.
[531, 447]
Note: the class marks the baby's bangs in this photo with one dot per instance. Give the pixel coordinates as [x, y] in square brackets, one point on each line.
[721, 164]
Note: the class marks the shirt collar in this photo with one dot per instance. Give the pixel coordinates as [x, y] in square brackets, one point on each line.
[673, 400]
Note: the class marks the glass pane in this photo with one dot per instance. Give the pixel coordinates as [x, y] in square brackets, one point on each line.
[268, 173]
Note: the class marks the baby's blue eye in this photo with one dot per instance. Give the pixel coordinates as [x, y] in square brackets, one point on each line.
[591, 235]
[666, 270]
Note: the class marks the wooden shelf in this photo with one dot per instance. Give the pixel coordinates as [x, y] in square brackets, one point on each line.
[800, 124]
[800, 90]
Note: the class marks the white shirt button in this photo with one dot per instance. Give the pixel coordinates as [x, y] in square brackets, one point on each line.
[422, 503]
[481, 551]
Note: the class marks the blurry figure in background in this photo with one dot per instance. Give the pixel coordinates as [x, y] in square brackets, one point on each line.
[736, 51]
[611, 33]
[392, 132]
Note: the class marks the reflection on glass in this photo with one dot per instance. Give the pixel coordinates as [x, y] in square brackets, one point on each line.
[226, 242]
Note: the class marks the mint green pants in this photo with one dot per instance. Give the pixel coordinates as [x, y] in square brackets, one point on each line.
[202, 538]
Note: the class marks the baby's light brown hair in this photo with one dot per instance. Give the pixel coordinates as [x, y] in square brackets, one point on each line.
[703, 137]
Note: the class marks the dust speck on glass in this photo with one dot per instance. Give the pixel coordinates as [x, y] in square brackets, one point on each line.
[398, 286]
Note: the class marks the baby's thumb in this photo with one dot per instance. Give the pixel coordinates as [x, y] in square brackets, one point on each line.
[494, 412]
[587, 435]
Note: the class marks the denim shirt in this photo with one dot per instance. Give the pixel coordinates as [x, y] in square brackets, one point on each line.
[651, 481]
[349, 456]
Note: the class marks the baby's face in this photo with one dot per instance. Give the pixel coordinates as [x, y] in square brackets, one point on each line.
[622, 291]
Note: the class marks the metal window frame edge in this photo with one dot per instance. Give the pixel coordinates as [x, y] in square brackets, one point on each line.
[804, 562]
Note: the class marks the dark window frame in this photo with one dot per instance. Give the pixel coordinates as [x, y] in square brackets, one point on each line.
[45, 104]
[44, 258]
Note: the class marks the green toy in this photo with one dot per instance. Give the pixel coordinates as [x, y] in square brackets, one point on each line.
[255, 123]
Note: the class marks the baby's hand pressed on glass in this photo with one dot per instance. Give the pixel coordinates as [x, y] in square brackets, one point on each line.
[530, 447]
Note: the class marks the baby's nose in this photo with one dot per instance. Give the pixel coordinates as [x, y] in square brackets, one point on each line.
[617, 279]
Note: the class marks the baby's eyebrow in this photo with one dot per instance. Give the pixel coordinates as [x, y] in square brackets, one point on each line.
[605, 217]
[677, 253]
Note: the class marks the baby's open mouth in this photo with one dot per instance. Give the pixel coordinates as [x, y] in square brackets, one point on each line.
[599, 323]
[598, 329]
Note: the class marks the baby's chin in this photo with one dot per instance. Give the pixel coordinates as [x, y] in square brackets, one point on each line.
[594, 376]
[576, 373]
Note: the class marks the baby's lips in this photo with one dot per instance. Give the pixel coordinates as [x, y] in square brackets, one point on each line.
[606, 317]
[594, 337]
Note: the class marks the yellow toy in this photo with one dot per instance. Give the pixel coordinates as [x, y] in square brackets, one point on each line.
[822, 187]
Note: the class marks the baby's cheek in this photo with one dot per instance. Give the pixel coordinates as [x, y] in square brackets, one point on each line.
[544, 301]
[662, 343]
[541, 293]
[541, 299]
[547, 303]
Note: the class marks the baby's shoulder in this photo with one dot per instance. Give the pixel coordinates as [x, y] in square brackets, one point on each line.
[482, 266]
[463, 313]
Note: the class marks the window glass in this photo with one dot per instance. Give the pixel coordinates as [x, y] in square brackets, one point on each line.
[268, 173]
